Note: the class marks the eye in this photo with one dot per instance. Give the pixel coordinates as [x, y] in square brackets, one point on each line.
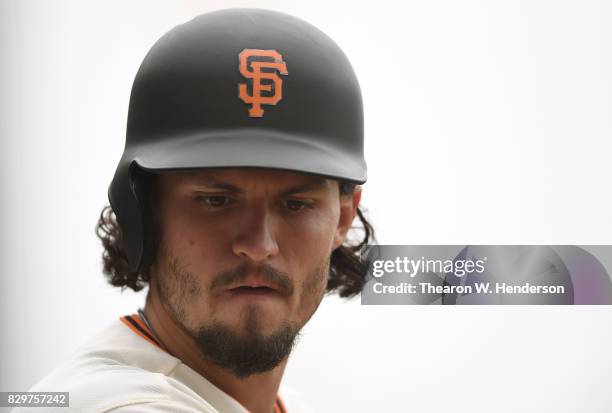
[213, 200]
[296, 206]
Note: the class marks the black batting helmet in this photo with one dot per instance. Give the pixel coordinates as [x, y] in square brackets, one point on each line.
[237, 88]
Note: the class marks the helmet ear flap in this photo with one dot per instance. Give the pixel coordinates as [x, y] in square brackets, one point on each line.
[144, 190]
[128, 198]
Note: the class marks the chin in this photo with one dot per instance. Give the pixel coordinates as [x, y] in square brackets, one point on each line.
[250, 320]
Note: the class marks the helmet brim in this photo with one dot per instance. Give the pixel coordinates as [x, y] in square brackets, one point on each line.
[251, 148]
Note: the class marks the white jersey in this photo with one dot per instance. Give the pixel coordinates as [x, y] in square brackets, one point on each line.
[124, 369]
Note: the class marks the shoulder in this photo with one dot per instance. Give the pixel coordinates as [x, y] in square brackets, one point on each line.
[116, 371]
[110, 387]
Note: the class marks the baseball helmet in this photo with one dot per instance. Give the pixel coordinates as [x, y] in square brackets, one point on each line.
[237, 88]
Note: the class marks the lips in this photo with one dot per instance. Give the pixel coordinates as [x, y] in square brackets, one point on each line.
[253, 286]
[253, 290]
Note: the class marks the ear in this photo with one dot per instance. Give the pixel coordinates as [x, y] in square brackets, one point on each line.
[348, 211]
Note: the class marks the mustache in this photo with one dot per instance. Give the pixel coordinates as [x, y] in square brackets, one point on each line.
[280, 280]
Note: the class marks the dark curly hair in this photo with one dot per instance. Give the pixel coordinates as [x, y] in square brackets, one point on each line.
[348, 267]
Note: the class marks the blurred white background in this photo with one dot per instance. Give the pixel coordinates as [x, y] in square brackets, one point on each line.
[487, 122]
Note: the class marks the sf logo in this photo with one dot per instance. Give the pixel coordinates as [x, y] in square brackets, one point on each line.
[268, 59]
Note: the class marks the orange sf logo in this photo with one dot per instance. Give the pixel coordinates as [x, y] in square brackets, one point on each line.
[256, 99]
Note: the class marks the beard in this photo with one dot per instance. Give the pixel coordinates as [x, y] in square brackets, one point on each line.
[246, 354]
[243, 351]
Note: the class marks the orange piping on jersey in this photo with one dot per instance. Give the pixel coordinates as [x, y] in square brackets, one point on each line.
[134, 322]
[141, 323]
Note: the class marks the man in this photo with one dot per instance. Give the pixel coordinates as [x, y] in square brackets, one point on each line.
[233, 199]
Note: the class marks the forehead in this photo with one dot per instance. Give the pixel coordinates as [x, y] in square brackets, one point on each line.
[245, 178]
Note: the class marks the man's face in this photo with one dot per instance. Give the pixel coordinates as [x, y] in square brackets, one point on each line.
[244, 258]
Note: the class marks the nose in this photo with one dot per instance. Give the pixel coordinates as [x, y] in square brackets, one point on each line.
[255, 238]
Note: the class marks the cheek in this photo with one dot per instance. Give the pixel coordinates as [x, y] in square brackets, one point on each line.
[313, 288]
[312, 234]
[316, 283]
[187, 252]
[190, 235]
[306, 247]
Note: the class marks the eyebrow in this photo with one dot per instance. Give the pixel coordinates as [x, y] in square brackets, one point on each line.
[311, 186]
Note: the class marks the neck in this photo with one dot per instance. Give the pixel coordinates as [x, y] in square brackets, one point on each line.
[257, 393]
